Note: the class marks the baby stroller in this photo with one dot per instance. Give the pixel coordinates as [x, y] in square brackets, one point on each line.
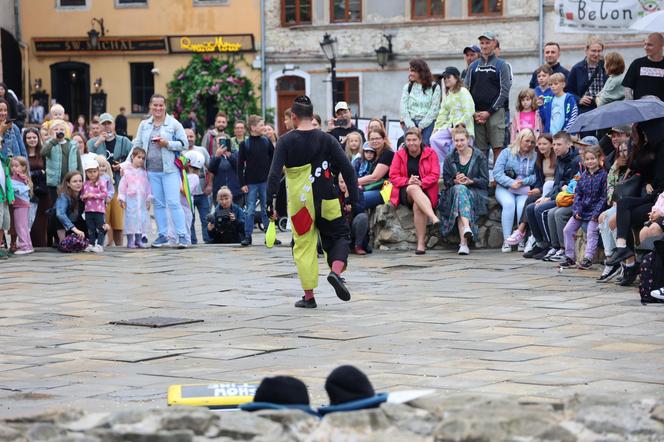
[281, 206]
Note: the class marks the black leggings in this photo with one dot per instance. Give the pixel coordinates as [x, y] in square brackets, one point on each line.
[631, 213]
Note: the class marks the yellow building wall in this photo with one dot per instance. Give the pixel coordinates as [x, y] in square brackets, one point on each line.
[41, 18]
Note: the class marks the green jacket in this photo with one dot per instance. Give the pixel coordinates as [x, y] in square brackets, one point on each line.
[120, 153]
[6, 196]
[52, 151]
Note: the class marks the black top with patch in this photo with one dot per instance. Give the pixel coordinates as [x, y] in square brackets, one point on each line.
[322, 152]
[645, 77]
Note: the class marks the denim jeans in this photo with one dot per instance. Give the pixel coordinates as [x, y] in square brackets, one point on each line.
[202, 204]
[166, 193]
[511, 203]
[426, 131]
[256, 191]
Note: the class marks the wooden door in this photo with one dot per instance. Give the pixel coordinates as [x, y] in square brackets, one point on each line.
[288, 89]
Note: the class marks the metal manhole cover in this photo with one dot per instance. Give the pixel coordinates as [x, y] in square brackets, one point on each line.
[156, 321]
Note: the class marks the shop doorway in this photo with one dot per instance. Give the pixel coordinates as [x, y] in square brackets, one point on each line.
[11, 62]
[71, 87]
[288, 89]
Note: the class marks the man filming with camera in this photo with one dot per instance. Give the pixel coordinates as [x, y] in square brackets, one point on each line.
[226, 224]
[342, 123]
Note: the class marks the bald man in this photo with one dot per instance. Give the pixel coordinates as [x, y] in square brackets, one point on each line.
[645, 75]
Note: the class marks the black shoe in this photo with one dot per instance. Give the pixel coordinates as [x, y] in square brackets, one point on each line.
[609, 273]
[337, 282]
[245, 242]
[621, 254]
[568, 263]
[629, 275]
[539, 256]
[304, 303]
[535, 251]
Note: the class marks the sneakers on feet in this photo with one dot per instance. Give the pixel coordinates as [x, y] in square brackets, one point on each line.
[550, 254]
[630, 274]
[515, 238]
[23, 252]
[534, 251]
[559, 256]
[468, 234]
[340, 288]
[245, 242]
[609, 273]
[182, 242]
[529, 244]
[161, 241]
[306, 303]
[463, 249]
[506, 248]
[657, 293]
[89, 248]
[567, 263]
[98, 248]
[586, 264]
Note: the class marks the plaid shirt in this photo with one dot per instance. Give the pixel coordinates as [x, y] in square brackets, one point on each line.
[598, 82]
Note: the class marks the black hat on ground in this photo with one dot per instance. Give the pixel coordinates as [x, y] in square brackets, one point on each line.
[347, 383]
[283, 390]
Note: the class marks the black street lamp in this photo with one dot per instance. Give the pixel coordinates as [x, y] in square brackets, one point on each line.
[329, 46]
[384, 54]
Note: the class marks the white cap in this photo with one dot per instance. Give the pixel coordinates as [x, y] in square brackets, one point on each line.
[196, 159]
[341, 105]
[91, 164]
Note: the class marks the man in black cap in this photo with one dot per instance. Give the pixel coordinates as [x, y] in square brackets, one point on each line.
[470, 54]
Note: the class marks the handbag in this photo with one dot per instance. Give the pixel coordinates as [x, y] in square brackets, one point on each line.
[564, 199]
[386, 191]
[630, 186]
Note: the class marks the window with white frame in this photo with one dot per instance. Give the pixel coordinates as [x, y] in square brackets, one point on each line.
[72, 4]
[131, 3]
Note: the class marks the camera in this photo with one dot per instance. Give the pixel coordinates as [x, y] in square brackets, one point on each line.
[510, 173]
[340, 122]
[59, 135]
[221, 218]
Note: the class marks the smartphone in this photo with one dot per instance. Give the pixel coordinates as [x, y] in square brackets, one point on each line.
[223, 142]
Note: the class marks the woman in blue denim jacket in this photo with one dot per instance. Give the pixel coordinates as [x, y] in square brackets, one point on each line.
[163, 137]
[11, 141]
[515, 175]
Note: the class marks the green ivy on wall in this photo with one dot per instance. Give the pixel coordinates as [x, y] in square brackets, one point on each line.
[211, 81]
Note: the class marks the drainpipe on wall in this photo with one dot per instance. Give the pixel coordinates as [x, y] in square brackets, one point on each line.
[263, 64]
[17, 21]
[541, 32]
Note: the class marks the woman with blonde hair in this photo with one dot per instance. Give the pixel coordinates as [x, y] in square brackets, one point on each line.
[515, 174]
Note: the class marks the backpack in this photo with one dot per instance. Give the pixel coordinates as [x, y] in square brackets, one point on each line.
[433, 87]
[652, 274]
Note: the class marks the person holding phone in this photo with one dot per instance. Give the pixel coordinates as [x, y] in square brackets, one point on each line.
[342, 123]
[10, 134]
[223, 167]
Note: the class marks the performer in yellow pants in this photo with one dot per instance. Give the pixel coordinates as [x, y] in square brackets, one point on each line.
[311, 159]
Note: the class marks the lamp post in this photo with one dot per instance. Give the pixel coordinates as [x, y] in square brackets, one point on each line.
[329, 46]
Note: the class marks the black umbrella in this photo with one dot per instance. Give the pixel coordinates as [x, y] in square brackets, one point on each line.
[619, 113]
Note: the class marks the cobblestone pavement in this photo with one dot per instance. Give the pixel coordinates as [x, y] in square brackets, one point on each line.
[489, 323]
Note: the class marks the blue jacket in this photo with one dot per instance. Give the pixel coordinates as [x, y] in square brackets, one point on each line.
[523, 166]
[571, 113]
[172, 131]
[12, 143]
[64, 213]
[566, 167]
[590, 195]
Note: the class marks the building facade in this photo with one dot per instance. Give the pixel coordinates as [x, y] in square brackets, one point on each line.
[436, 30]
[10, 53]
[100, 55]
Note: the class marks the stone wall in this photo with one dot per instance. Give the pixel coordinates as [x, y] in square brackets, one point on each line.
[434, 418]
[393, 229]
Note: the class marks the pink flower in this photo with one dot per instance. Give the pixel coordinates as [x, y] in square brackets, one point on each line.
[223, 69]
[181, 77]
[207, 58]
[214, 89]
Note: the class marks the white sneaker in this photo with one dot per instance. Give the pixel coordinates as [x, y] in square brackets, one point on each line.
[89, 248]
[467, 233]
[521, 247]
[530, 244]
[559, 256]
[506, 248]
[658, 293]
[551, 253]
[99, 248]
[463, 249]
[23, 252]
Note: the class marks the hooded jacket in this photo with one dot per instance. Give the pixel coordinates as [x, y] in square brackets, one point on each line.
[566, 167]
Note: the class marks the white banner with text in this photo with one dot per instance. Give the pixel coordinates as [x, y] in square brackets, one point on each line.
[602, 16]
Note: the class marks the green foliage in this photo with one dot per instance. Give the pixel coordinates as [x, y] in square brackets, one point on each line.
[207, 80]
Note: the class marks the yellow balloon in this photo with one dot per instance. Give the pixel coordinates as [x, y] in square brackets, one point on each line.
[270, 234]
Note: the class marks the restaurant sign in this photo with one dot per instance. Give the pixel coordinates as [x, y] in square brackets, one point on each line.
[105, 45]
[211, 43]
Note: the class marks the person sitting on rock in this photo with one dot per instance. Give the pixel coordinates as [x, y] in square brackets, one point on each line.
[466, 177]
[414, 175]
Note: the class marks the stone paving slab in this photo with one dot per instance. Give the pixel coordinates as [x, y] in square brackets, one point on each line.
[489, 323]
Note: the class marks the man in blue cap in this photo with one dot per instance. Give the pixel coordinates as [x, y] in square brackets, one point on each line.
[470, 54]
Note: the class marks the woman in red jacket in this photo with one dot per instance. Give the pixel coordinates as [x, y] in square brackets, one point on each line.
[414, 175]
